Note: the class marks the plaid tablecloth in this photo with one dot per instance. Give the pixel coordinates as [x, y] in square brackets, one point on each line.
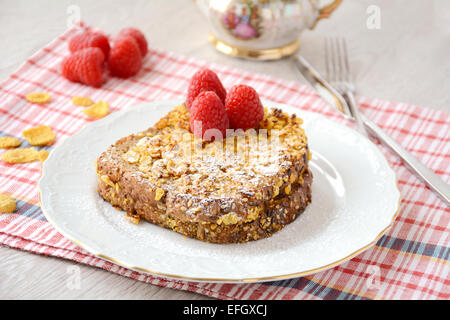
[411, 261]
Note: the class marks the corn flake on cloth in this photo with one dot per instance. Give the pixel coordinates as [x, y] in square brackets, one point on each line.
[411, 261]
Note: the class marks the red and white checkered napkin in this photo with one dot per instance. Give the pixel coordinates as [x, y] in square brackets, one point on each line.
[410, 261]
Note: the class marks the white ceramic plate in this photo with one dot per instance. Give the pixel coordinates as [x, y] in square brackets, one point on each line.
[354, 201]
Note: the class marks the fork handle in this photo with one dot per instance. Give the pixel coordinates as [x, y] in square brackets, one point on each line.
[354, 110]
[426, 175]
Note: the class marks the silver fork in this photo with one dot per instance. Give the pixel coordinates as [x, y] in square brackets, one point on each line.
[339, 75]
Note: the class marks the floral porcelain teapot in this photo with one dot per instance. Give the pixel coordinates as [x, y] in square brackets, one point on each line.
[261, 29]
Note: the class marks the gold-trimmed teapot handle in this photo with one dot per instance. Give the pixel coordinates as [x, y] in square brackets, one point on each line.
[326, 11]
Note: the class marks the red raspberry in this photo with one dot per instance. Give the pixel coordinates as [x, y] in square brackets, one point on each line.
[125, 59]
[85, 66]
[208, 112]
[89, 39]
[204, 80]
[138, 36]
[243, 107]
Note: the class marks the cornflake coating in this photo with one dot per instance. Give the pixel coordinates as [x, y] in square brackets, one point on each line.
[43, 155]
[98, 110]
[239, 189]
[9, 142]
[38, 97]
[7, 204]
[82, 101]
[23, 155]
[39, 136]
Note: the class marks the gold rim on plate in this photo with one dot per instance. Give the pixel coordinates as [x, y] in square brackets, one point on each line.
[225, 280]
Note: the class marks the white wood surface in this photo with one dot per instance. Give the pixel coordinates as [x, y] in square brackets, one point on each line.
[406, 60]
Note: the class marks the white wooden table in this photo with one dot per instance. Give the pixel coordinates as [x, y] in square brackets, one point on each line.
[406, 60]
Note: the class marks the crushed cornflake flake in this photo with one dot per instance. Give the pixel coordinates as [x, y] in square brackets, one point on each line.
[39, 136]
[159, 194]
[43, 155]
[82, 101]
[98, 110]
[9, 142]
[23, 155]
[135, 218]
[7, 204]
[38, 97]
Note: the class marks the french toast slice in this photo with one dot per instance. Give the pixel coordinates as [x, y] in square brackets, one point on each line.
[244, 187]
